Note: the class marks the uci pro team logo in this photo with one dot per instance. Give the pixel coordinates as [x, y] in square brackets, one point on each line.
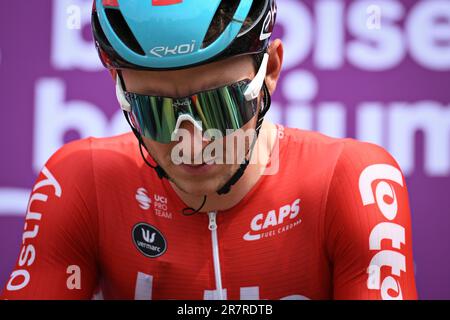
[149, 240]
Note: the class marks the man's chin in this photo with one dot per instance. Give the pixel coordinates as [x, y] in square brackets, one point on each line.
[197, 188]
[200, 185]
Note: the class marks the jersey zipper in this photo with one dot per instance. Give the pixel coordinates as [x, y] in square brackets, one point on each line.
[215, 248]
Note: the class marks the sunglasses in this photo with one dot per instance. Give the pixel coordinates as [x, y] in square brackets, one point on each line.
[226, 109]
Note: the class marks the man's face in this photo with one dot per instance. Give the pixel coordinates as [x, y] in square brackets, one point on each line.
[202, 178]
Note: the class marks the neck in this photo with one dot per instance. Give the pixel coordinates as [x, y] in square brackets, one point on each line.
[263, 150]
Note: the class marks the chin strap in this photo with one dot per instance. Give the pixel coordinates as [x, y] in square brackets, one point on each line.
[188, 211]
[159, 170]
[240, 172]
[191, 211]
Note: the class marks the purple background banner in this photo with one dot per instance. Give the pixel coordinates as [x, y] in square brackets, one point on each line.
[377, 70]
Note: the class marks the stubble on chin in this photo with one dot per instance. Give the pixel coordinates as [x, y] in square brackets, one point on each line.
[170, 168]
[220, 182]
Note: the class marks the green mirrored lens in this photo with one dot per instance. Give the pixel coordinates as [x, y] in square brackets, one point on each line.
[223, 109]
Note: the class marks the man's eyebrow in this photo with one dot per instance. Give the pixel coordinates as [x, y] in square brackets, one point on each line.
[216, 84]
[220, 84]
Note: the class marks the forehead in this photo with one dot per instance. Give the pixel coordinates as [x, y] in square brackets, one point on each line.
[190, 80]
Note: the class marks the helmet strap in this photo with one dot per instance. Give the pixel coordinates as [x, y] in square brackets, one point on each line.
[159, 170]
[240, 172]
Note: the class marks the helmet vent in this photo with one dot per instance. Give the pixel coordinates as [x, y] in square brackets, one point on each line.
[254, 16]
[222, 18]
[98, 29]
[121, 28]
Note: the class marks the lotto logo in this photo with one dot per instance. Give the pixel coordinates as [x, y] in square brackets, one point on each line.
[376, 193]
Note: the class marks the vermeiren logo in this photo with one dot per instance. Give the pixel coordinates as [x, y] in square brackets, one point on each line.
[146, 236]
[143, 199]
[149, 240]
[165, 2]
[274, 222]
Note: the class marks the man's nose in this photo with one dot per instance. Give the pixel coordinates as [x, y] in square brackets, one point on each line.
[195, 136]
[193, 129]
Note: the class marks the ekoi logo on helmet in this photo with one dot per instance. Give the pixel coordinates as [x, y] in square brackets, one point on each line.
[163, 51]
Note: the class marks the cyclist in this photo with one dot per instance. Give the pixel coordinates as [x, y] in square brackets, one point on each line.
[315, 218]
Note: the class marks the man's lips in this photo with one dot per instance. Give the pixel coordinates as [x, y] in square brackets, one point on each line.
[197, 168]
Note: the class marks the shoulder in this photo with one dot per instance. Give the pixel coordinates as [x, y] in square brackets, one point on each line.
[358, 157]
[300, 136]
[337, 166]
[119, 143]
[78, 152]
[344, 152]
[81, 161]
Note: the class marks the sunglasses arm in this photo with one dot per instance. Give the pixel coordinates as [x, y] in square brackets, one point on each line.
[254, 88]
[124, 104]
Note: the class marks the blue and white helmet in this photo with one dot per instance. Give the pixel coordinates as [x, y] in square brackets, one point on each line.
[175, 34]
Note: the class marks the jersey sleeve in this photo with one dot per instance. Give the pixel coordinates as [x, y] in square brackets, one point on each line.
[368, 226]
[59, 243]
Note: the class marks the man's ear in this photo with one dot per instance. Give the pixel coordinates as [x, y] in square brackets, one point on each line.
[113, 73]
[274, 65]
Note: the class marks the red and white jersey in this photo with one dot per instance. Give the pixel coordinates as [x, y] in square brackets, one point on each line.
[332, 223]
